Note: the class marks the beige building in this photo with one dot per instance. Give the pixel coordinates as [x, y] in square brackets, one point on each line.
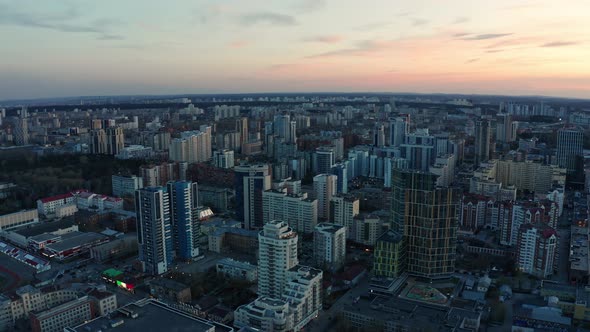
[299, 211]
[344, 209]
[25, 217]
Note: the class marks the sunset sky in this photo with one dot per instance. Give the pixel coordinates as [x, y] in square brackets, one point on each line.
[116, 47]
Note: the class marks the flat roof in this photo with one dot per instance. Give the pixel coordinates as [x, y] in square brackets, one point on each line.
[328, 227]
[45, 227]
[74, 239]
[390, 236]
[152, 316]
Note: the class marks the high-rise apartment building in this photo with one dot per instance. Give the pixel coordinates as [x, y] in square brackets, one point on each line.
[250, 181]
[418, 149]
[343, 210]
[341, 171]
[115, 140]
[329, 246]
[223, 158]
[570, 144]
[184, 217]
[323, 159]
[324, 186]
[537, 250]
[398, 128]
[168, 224]
[277, 246]
[107, 141]
[299, 211]
[379, 135]
[242, 129]
[284, 128]
[125, 185]
[21, 130]
[290, 295]
[427, 218]
[154, 229]
[192, 146]
[389, 255]
[482, 141]
[505, 128]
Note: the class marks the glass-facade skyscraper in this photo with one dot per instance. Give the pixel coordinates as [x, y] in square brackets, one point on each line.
[426, 217]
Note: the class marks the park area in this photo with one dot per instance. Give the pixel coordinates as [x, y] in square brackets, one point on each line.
[426, 293]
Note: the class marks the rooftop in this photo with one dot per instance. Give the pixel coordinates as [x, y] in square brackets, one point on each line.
[73, 240]
[152, 316]
[232, 262]
[45, 227]
[390, 236]
[55, 198]
[168, 283]
[234, 230]
[329, 227]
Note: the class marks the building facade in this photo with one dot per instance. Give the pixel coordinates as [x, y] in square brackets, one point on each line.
[329, 246]
[324, 186]
[250, 182]
[277, 254]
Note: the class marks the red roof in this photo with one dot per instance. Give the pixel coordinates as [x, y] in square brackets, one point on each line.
[56, 198]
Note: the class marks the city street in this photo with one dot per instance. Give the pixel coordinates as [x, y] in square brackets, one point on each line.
[325, 320]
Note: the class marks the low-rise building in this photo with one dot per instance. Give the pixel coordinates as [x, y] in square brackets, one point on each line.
[395, 314]
[45, 304]
[149, 315]
[73, 244]
[265, 314]
[17, 219]
[234, 269]
[231, 239]
[170, 290]
[125, 185]
[117, 248]
[58, 318]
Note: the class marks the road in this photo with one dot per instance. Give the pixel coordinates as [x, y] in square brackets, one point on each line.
[324, 322]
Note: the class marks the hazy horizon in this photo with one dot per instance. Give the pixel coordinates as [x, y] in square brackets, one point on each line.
[108, 48]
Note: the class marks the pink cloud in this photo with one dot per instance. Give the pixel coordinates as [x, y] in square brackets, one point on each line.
[239, 44]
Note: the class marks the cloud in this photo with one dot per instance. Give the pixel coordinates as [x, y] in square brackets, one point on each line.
[461, 19]
[494, 51]
[559, 44]
[362, 48]
[268, 18]
[110, 37]
[487, 36]
[308, 6]
[372, 26]
[61, 22]
[472, 60]
[208, 13]
[419, 21]
[327, 39]
[461, 34]
[239, 44]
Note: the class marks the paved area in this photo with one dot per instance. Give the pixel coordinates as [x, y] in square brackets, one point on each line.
[324, 322]
[14, 272]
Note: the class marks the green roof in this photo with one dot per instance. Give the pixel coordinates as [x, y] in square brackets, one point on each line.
[111, 273]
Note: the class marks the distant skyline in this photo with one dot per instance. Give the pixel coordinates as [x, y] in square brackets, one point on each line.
[73, 48]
